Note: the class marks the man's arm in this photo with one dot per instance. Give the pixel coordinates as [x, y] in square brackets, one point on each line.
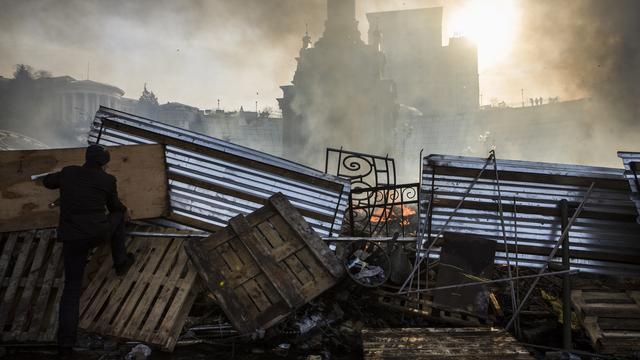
[52, 181]
[113, 202]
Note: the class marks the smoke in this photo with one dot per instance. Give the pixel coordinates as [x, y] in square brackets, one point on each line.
[591, 47]
[197, 51]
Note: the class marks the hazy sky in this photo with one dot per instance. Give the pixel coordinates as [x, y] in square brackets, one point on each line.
[240, 51]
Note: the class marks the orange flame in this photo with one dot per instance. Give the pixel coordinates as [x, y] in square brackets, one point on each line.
[384, 214]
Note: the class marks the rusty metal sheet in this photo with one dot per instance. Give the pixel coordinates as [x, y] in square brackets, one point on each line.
[604, 239]
[211, 181]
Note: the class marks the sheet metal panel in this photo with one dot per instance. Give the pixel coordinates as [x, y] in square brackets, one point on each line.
[604, 239]
[211, 180]
[631, 162]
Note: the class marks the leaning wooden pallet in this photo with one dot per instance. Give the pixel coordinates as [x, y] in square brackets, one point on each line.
[262, 267]
[31, 285]
[151, 302]
[610, 318]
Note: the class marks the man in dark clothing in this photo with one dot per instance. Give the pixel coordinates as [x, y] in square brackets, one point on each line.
[87, 192]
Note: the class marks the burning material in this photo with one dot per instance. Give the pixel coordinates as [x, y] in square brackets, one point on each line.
[402, 213]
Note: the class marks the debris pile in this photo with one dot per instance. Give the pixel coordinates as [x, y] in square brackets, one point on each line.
[242, 254]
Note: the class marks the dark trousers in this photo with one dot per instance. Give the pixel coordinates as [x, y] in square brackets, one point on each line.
[75, 254]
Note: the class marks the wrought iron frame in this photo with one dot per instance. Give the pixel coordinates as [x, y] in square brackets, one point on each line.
[373, 190]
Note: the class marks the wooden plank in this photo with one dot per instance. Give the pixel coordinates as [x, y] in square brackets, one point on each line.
[191, 222]
[265, 261]
[37, 323]
[121, 293]
[176, 311]
[95, 293]
[161, 260]
[429, 343]
[25, 303]
[612, 310]
[157, 280]
[319, 249]
[619, 324]
[140, 170]
[7, 252]
[8, 301]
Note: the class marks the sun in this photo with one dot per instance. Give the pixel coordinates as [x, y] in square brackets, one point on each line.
[491, 24]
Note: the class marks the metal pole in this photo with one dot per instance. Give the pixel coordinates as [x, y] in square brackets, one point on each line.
[514, 304]
[552, 254]
[515, 239]
[566, 280]
[456, 286]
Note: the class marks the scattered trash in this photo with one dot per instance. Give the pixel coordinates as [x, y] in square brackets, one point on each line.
[139, 352]
[367, 263]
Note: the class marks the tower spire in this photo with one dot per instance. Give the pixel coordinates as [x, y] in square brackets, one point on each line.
[306, 39]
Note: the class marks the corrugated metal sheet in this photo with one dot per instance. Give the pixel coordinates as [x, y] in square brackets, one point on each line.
[631, 161]
[211, 180]
[604, 239]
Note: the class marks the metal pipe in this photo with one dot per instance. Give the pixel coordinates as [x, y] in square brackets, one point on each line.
[515, 239]
[166, 235]
[566, 280]
[552, 254]
[514, 304]
[456, 286]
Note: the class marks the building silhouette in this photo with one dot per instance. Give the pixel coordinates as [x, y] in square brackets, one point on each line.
[433, 78]
[338, 94]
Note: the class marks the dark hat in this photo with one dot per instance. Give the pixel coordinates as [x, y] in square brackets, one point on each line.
[97, 155]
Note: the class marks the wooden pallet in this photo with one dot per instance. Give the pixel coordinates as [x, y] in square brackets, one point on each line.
[611, 319]
[441, 343]
[151, 302]
[264, 266]
[426, 308]
[31, 284]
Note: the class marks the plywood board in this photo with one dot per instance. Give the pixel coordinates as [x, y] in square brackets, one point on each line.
[140, 170]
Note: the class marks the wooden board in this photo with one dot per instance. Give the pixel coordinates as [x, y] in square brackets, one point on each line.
[262, 267]
[140, 170]
[424, 307]
[151, 302]
[31, 282]
[611, 319]
[441, 343]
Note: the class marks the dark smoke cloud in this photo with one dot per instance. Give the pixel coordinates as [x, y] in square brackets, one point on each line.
[589, 47]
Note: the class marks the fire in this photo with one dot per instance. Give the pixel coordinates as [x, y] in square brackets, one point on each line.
[401, 212]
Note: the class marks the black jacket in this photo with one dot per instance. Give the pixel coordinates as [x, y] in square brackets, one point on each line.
[86, 193]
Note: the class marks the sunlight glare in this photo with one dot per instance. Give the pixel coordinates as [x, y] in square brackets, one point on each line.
[491, 24]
